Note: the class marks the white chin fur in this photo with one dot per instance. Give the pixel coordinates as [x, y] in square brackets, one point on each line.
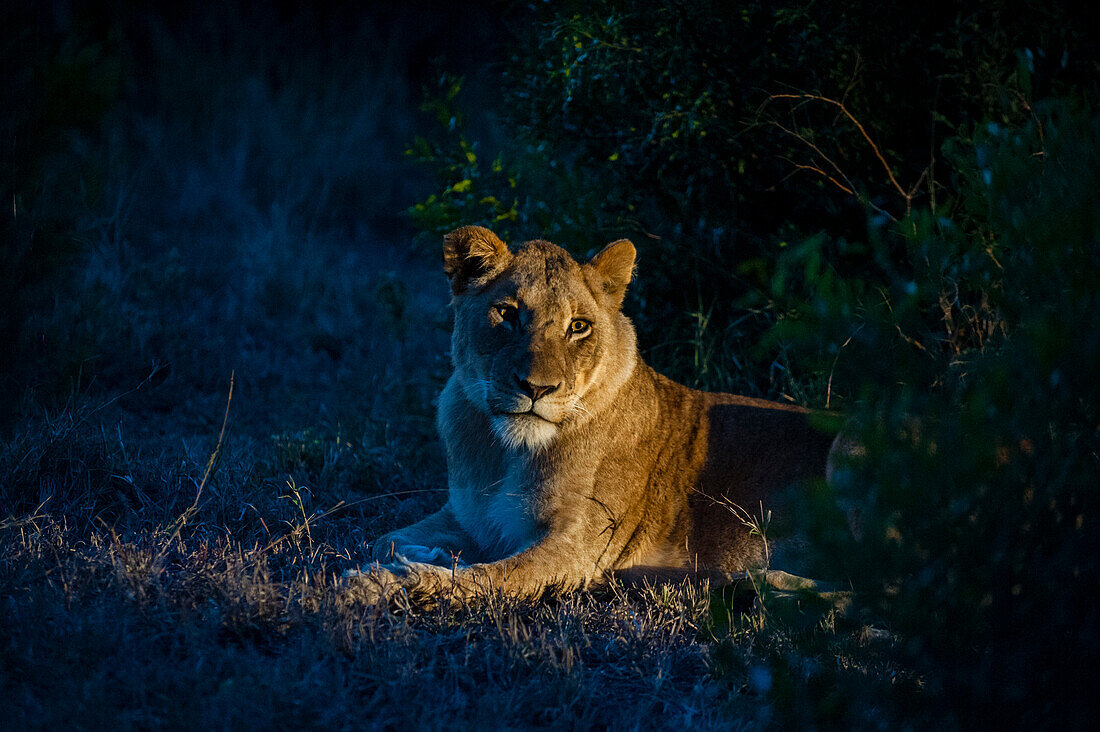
[524, 431]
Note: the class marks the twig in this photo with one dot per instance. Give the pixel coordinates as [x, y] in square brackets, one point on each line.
[607, 44]
[906, 195]
[848, 186]
[822, 173]
[856, 122]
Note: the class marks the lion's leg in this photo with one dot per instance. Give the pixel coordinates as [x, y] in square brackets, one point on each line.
[568, 557]
[553, 564]
[437, 539]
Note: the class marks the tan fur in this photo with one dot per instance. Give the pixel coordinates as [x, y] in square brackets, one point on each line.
[613, 469]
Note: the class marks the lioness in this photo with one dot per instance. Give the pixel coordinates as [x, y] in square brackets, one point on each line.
[568, 457]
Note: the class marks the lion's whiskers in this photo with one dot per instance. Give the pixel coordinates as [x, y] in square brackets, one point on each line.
[579, 406]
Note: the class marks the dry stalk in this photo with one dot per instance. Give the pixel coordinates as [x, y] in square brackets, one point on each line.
[184, 517]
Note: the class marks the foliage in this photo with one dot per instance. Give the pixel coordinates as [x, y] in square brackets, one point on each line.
[523, 193]
[709, 136]
[469, 193]
[977, 496]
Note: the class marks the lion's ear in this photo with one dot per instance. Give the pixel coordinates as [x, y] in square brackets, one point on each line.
[472, 255]
[614, 267]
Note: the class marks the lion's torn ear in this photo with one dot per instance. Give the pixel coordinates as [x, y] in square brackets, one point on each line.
[614, 267]
[472, 255]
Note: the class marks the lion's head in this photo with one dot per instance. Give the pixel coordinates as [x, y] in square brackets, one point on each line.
[539, 343]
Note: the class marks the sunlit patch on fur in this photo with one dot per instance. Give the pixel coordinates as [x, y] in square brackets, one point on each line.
[524, 431]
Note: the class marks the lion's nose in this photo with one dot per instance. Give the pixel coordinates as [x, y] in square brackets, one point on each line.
[535, 391]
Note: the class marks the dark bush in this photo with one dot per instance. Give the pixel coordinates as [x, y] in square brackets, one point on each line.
[687, 126]
[978, 494]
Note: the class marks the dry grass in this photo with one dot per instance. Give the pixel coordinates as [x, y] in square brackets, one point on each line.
[127, 602]
[130, 598]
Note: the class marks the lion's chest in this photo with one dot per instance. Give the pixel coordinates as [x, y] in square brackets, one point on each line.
[499, 514]
[489, 491]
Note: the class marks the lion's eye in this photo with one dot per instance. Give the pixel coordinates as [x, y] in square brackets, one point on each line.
[579, 327]
[507, 313]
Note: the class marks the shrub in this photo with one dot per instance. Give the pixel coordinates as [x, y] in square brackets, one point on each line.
[978, 495]
[685, 126]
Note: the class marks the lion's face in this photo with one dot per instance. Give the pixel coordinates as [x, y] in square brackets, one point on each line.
[536, 333]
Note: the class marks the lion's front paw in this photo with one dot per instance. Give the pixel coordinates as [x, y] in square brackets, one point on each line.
[382, 584]
[396, 548]
[374, 584]
[417, 553]
[411, 573]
